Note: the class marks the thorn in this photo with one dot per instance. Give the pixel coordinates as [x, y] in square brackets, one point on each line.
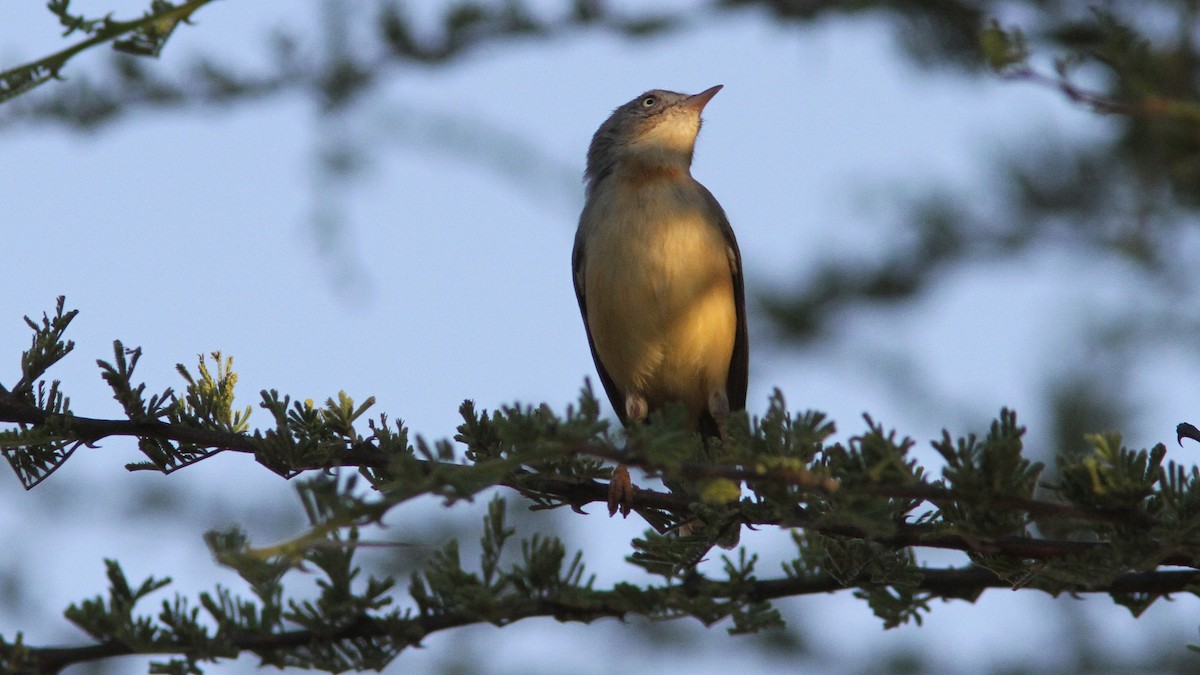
[1185, 430]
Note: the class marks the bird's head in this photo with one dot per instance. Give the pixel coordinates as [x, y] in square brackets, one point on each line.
[656, 129]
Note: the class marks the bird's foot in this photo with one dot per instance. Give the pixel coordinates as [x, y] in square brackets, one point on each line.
[620, 492]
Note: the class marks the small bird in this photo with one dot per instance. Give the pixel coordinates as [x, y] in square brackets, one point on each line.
[658, 274]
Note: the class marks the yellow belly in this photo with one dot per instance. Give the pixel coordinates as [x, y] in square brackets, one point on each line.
[660, 304]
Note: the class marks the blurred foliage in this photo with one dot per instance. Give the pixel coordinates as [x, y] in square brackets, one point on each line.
[1127, 195]
[1122, 195]
[1154, 149]
[1114, 522]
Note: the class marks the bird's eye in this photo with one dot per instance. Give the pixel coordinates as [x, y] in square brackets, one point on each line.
[649, 102]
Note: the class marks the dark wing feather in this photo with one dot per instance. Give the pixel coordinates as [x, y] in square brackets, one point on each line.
[738, 380]
[615, 397]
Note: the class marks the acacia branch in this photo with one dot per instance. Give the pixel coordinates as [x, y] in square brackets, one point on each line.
[937, 583]
[935, 494]
[578, 493]
[91, 430]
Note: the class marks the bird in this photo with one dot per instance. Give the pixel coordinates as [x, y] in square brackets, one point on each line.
[658, 273]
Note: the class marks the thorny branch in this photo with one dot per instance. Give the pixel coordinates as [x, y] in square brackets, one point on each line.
[945, 583]
[579, 493]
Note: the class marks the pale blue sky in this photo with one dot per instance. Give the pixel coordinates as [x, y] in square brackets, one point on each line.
[189, 232]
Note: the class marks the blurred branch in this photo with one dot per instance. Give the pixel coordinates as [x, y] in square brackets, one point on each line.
[147, 37]
[1101, 103]
[335, 77]
[1007, 52]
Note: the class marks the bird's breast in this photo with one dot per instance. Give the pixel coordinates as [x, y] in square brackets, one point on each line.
[659, 290]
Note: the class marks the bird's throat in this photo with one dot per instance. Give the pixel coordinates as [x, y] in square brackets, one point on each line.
[641, 172]
[651, 172]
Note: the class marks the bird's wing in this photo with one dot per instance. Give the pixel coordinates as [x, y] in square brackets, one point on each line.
[615, 397]
[739, 364]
